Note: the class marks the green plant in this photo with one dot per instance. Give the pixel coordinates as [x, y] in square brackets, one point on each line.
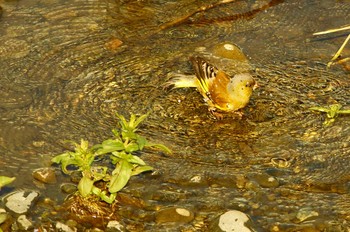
[121, 152]
[332, 112]
[4, 180]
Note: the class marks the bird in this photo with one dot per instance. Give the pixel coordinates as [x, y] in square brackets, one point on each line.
[219, 90]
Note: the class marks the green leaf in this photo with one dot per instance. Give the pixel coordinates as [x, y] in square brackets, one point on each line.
[67, 162]
[110, 145]
[120, 155]
[102, 195]
[159, 146]
[131, 124]
[95, 190]
[84, 145]
[66, 159]
[128, 128]
[99, 172]
[4, 180]
[109, 199]
[114, 159]
[131, 147]
[120, 176]
[58, 158]
[135, 160]
[85, 186]
[140, 119]
[317, 108]
[116, 134]
[141, 141]
[128, 134]
[122, 121]
[139, 169]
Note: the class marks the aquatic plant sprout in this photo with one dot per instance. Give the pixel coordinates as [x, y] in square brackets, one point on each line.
[4, 180]
[332, 112]
[120, 150]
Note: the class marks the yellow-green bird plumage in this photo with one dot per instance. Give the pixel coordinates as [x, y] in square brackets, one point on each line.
[218, 89]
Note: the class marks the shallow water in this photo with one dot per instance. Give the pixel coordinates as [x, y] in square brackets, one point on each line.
[64, 76]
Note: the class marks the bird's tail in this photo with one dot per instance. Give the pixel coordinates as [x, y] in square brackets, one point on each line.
[181, 81]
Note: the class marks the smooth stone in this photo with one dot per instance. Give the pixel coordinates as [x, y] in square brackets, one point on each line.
[24, 223]
[65, 228]
[68, 188]
[305, 214]
[174, 214]
[232, 221]
[6, 220]
[75, 176]
[20, 201]
[95, 230]
[71, 223]
[127, 199]
[45, 175]
[114, 226]
[266, 181]
[3, 217]
[198, 181]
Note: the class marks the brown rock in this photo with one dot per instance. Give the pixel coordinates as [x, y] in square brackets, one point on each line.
[45, 175]
[174, 214]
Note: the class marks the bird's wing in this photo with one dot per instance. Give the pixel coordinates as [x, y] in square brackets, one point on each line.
[205, 72]
[212, 81]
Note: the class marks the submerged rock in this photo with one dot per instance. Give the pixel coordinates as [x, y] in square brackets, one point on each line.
[24, 223]
[174, 214]
[266, 181]
[20, 201]
[45, 175]
[115, 226]
[305, 214]
[230, 221]
[65, 228]
[68, 188]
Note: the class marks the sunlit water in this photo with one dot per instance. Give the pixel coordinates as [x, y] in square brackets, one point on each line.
[62, 79]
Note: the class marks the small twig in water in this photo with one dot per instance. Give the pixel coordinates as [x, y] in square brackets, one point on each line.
[338, 53]
[332, 30]
[186, 17]
[340, 50]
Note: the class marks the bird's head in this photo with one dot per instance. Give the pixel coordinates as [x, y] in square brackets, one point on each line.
[242, 84]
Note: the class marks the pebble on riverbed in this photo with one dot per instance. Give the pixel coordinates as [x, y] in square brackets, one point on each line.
[265, 180]
[65, 228]
[174, 214]
[114, 226]
[24, 223]
[305, 214]
[231, 221]
[20, 201]
[68, 188]
[45, 175]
